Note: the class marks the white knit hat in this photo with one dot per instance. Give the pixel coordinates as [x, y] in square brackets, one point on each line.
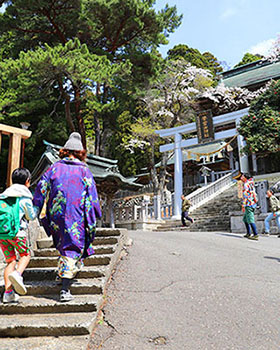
[74, 143]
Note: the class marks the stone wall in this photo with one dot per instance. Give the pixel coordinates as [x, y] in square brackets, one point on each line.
[237, 224]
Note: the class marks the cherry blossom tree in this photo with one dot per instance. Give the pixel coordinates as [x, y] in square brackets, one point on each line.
[229, 99]
[166, 103]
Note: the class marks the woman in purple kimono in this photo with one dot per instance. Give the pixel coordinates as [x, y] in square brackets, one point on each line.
[72, 207]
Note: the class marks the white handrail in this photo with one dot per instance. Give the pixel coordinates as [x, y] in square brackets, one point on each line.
[206, 193]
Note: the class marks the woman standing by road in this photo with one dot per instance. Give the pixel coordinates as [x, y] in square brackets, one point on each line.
[72, 207]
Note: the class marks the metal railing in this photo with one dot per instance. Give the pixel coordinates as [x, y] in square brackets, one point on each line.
[143, 208]
[206, 193]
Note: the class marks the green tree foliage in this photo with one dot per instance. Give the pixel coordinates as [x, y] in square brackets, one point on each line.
[248, 58]
[52, 76]
[261, 127]
[36, 22]
[196, 58]
[124, 31]
[120, 26]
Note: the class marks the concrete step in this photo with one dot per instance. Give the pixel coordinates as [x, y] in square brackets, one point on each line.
[99, 250]
[50, 273]
[105, 232]
[82, 286]
[52, 261]
[40, 313]
[217, 229]
[50, 324]
[51, 304]
[101, 240]
[214, 222]
[210, 228]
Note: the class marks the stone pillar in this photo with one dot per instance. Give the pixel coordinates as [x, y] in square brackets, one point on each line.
[254, 161]
[111, 212]
[178, 175]
[157, 205]
[231, 161]
[243, 158]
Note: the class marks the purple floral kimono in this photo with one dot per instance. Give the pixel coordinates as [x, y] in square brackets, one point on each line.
[72, 207]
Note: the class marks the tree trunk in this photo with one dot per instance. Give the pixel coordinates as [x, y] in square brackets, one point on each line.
[154, 176]
[79, 118]
[97, 133]
[66, 98]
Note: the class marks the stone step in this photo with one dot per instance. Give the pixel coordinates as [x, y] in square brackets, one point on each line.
[99, 250]
[52, 261]
[105, 232]
[50, 273]
[82, 286]
[217, 229]
[51, 304]
[212, 222]
[101, 240]
[50, 324]
[39, 312]
[196, 227]
[215, 210]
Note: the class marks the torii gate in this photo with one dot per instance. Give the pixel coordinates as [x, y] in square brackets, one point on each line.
[16, 147]
[179, 144]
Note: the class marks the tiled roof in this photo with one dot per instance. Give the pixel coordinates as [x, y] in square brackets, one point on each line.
[103, 169]
[251, 74]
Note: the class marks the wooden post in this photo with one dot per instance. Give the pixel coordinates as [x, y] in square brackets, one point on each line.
[16, 135]
[14, 156]
[22, 153]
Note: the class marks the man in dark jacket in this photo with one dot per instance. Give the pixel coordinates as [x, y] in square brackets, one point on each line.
[185, 210]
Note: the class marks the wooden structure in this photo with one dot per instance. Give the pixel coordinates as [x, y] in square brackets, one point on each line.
[16, 147]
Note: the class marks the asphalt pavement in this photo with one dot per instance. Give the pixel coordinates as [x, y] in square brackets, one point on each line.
[192, 291]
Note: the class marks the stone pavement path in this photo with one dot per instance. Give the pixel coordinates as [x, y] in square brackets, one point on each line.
[193, 291]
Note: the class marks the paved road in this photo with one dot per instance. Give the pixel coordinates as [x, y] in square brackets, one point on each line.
[191, 291]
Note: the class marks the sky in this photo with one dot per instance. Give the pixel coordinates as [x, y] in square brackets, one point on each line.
[226, 28]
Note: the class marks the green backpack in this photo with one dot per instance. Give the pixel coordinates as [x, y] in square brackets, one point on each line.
[9, 217]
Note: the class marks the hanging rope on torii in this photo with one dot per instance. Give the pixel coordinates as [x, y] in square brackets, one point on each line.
[16, 147]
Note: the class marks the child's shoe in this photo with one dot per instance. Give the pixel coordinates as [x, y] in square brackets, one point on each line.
[65, 296]
[11, 297]
[17, 282]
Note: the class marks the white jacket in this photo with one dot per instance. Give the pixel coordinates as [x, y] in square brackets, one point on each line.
[26, 210]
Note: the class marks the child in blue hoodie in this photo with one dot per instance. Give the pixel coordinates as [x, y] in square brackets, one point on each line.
[13, 271]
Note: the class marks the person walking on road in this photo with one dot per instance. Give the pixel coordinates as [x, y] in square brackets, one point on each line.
[186, 204]
[72, 207]
[275, 208]
[249, 204]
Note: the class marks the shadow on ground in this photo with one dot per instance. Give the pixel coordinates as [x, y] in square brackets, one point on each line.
[272, 258]
[229, 235]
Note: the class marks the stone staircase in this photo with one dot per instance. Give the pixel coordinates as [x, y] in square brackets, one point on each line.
[212, 216]
[40, 313]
